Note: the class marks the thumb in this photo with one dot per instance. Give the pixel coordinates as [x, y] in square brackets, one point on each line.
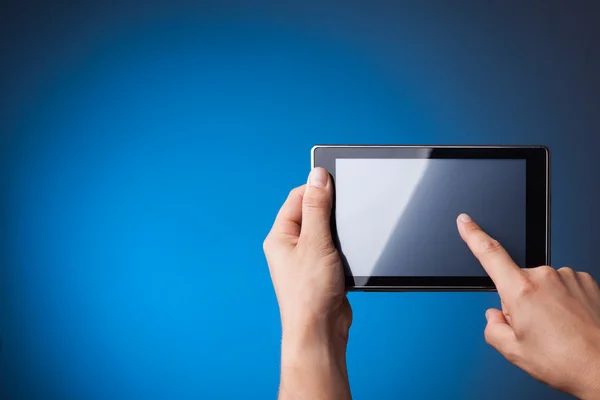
[316, 207]
[500, 335]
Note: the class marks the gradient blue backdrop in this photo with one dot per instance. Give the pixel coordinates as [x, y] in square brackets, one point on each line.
[145, 149]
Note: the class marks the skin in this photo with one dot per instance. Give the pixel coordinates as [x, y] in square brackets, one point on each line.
[306, 271]
[549, 324]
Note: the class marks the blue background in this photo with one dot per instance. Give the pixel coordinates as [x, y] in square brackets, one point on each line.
[146, 147]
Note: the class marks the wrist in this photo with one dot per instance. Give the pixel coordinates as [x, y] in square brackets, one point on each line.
[315, 327]
[309, 342]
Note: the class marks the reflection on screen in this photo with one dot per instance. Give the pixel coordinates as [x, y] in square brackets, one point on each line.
[397, 217]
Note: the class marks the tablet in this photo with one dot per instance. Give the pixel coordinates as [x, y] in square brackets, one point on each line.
[395, 210]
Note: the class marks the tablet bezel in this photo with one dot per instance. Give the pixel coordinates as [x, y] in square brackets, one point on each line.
[537, 247]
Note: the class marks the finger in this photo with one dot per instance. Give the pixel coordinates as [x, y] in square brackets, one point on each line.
[500, 335]
[289, 218]
[588, 282]
[590, 286]
[493, 257]
[316, 206]
[570, 280]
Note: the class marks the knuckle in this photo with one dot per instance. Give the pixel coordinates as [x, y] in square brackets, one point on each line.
[489, 245]
[267, 244]
[316, 200]
[566, 271]
[526, 289]
[510, 353]
[489, 337]
[506, 349]
[471, 227]
[294, 192]
[585, 276]
[546, 272]
[323, 245]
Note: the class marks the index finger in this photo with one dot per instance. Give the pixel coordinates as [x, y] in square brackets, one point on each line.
[496, 261]
[289, 218]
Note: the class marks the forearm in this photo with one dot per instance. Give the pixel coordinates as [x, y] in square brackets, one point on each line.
[313, 366]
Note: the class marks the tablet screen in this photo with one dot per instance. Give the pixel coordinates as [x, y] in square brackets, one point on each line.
[397, 217]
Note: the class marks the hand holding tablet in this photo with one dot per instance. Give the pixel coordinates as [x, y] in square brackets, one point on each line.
[549, 325]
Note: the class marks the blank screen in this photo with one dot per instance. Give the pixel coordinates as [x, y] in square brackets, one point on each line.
[397, 217]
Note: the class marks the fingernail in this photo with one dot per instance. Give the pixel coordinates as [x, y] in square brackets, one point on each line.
[487, 315]
[464, 218]
[318, 178]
